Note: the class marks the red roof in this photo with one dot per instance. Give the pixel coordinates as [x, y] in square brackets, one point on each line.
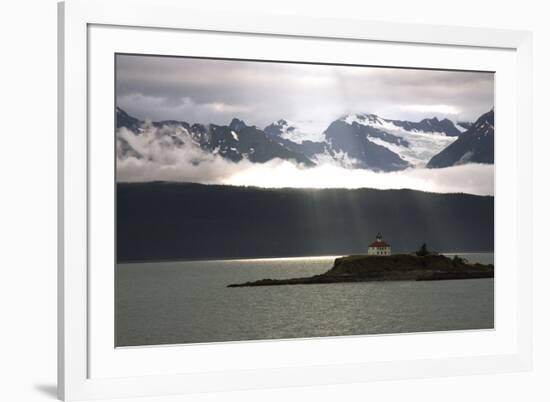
[379, 244]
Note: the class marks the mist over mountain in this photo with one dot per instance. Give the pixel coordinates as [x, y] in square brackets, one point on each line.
[355, 141]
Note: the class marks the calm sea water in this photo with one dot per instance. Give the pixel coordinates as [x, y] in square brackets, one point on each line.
[189, 302]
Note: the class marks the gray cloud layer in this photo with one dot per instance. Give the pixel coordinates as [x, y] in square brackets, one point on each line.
[214, 91]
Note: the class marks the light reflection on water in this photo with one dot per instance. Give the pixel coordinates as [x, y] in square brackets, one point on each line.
[189, 302]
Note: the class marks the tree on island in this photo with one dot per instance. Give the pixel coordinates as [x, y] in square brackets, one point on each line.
[423, 251]
[458, 261]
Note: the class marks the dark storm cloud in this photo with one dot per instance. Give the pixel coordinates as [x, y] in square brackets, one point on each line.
[214, 91]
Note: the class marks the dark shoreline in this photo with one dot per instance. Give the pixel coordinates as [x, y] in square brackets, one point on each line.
[399, 267]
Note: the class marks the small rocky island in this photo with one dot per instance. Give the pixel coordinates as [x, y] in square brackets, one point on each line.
[420, 266]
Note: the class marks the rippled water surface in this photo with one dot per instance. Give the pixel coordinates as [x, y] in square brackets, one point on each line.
[182, 302]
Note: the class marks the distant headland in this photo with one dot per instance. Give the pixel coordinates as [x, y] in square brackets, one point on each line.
[162, 221]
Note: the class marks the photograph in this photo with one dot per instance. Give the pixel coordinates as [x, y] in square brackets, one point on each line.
[273, 199]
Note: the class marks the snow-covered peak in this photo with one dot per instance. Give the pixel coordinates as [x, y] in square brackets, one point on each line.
[237, 125]
[429, 126]
[419, 141]
[485, 124]
[375, 121]
[364, 119]
[281, 122]
[296, 131]
[433, 121]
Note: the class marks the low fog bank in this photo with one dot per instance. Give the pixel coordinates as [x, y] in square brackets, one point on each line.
[211, 169]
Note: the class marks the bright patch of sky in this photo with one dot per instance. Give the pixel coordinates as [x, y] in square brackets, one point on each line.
[214, 91]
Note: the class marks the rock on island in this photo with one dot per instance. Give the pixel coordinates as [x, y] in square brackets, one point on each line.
[398, 267]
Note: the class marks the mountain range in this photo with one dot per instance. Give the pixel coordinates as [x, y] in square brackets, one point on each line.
[358, 141]
[476, 145]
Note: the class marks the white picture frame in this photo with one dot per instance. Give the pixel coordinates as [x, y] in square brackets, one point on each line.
[79, 347]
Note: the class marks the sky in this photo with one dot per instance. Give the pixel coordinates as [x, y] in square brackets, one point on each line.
[210, 91]
[214, 91]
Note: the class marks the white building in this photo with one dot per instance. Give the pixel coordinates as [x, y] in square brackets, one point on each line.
[379, 247]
